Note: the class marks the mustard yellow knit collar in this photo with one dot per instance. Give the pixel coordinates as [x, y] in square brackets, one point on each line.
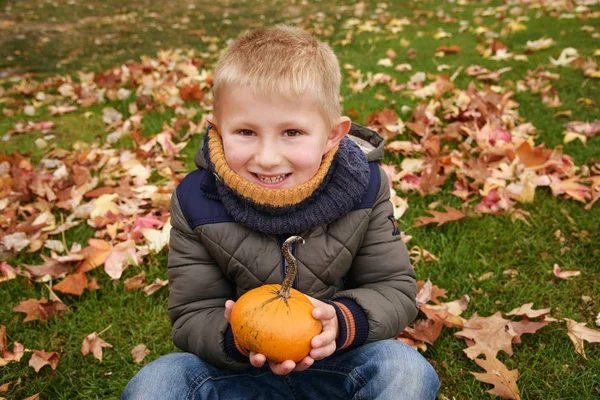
[255, 192]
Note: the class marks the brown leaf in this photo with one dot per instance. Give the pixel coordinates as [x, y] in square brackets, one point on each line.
[530, 157]
[153, 287]
[440, 218]
[191, 92]
[447, 313]
[434, 292]
[504, 381]
[94, 344]
[40, 309]
[490, 334]
[4, 388]
[526, 310]
[93, 285]
[42, 358]
[526, 326]
[449, 49]
[578, 332]
[92, 194]
[426, 330]
[2, 338]
[34, 397]
[72, 284]
[135, 282]
[139, 352]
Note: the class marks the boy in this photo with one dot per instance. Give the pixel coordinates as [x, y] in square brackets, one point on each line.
[279, 160]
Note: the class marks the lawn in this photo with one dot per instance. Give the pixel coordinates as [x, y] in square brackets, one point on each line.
[499, 261]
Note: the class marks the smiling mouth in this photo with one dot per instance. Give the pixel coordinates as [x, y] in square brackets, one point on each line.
[271, 179]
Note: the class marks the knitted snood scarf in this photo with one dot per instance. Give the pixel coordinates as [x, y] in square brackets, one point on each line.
[337, 188]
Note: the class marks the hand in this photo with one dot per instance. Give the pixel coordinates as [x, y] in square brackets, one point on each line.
[323, 345]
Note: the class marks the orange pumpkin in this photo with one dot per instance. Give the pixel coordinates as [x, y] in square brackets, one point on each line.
[276, 320]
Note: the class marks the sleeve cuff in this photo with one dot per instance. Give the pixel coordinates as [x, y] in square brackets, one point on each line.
[352, 321]
[233, 348]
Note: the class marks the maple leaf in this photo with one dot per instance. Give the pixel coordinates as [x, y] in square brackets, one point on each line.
[497, 374]
[42, 358]
[72, 284]
[95, 254]
[440, 218]
[139, 352]
[94, 344]
[526, 310]
[40, 309]
[431, 292]
[424, 294]
[448, 313]
[489, 334]
[578, 332]
[564, 274]
[120, 257]
[104, 205]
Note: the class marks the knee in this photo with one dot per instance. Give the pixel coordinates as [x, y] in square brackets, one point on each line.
[173, 372]
[400, 365]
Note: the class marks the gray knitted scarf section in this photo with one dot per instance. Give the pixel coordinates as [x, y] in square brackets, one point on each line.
[341, 190]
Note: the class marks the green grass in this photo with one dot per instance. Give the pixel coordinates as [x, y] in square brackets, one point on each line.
[548, 365]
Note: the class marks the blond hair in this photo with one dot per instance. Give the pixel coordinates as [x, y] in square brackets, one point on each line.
[285, 60]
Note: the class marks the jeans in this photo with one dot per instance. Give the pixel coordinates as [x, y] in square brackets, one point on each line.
[387, 369]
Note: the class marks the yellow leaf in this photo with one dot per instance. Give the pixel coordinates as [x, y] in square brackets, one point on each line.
[104, 205]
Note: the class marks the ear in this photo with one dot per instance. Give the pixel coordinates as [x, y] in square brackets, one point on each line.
[210, 119]
[337, 133]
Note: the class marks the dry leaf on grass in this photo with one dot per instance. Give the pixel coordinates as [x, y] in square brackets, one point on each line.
[72, 284]
[564, 274]
[440, 218]
[504, 381]
[40, 309]
[94, 344]
[41, 358]
[526, 310]
[489, 334]
[578, 332]
[139, 352]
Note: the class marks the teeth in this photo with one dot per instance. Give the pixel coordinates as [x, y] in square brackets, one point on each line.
[275, 179]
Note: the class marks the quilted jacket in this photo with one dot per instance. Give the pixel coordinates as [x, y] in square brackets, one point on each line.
[358, 258]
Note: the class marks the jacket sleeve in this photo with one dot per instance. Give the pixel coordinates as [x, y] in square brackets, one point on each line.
[197, 294]
[381, 283]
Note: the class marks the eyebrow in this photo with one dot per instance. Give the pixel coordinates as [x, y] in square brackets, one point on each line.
[296, 124]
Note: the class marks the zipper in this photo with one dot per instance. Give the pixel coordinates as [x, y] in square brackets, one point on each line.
[284, 262]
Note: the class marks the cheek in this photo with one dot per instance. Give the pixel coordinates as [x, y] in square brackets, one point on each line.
[236, 155]
[307, 161]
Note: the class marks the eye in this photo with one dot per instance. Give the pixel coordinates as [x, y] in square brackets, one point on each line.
[246, 132]
[292, 133]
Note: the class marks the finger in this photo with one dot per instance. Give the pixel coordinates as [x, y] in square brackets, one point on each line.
[323, 312]
[326, 337]
[304, 364]
[322, 352]
[228, 307]
[283, 368]
[257, 360]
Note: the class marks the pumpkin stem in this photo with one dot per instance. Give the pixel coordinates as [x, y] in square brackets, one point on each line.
[292, 268]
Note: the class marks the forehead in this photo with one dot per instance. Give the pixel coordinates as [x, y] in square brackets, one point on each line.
[244, 104]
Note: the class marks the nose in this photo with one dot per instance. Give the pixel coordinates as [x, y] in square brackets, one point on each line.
[267, 155]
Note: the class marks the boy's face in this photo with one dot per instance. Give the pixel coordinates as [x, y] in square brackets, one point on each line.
[271, 141]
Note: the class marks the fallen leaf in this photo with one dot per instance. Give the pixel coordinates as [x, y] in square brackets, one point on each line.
[440, 218]
[135, 282]
[72, 284]
[497, 374]
[564, 274]
[426, 330]
[94, 344]
[526, 310]
[7, 272]
[139, 352]
[578, 332]
[526, 326]
[40, 309]
[158, 239]
[153, 287]
[489, 334]
[42, 358]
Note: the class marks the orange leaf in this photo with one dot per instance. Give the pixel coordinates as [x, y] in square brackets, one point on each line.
[449, 49]
[440, 218]
[135, 282]
[95, 254]
[504, 381]
[72, 284]
[530, 157]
